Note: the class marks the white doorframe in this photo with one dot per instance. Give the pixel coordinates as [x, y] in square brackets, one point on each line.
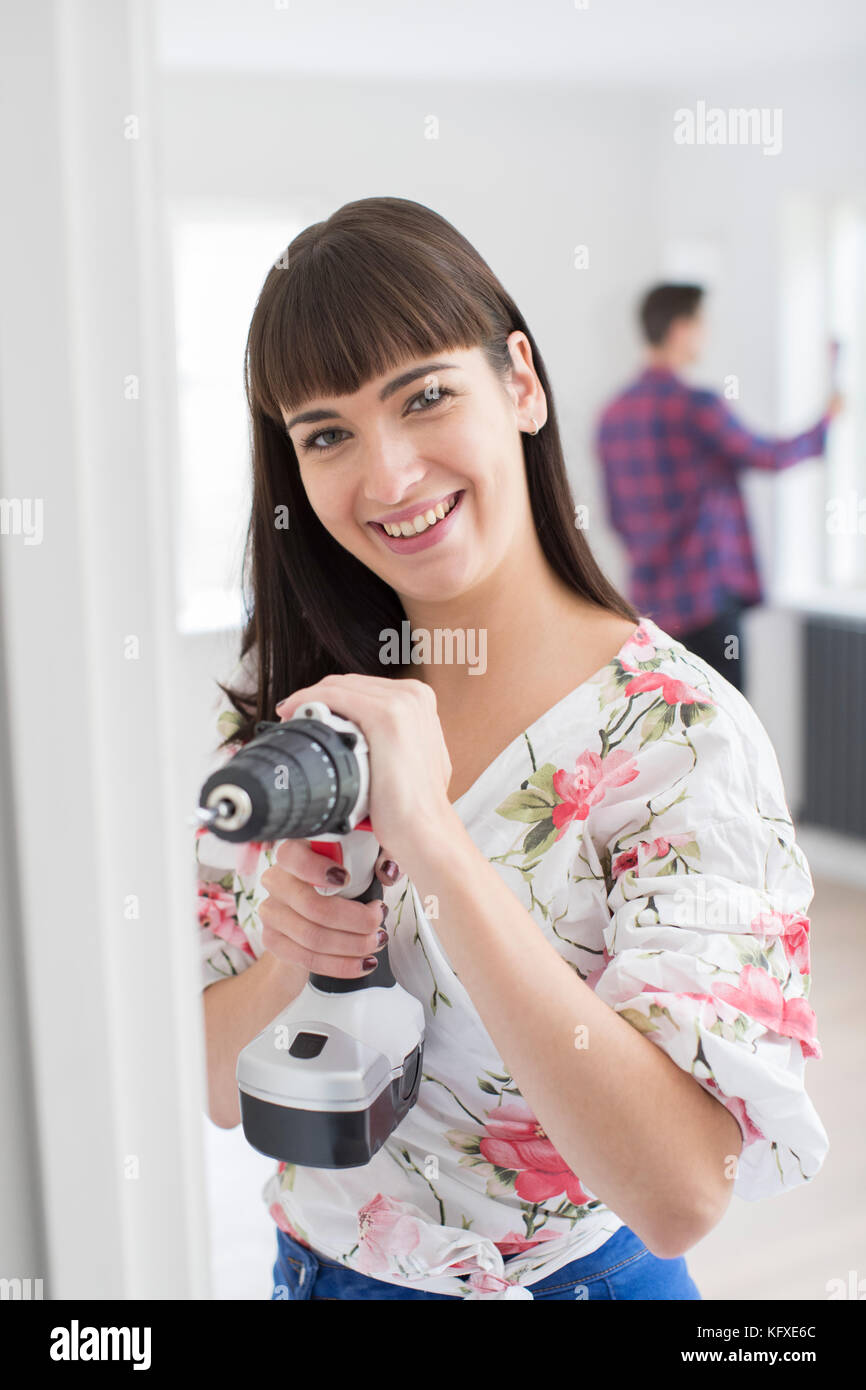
[86, 370]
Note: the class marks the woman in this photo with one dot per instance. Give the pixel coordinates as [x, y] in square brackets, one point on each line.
[590, 872]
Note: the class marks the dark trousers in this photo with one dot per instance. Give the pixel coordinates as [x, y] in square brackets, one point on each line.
[713, 640]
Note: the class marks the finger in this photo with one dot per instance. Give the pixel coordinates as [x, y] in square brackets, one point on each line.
[296, 857]
[286, 708]
[295, 939]
[387, 869]
[323, 690]
[355, 688]
[334, 912]
[335, 967]
[313, 936]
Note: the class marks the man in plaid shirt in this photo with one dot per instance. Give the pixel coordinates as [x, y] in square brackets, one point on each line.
[672, 456]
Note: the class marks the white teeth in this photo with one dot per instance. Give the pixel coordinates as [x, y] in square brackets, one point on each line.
[417, 524]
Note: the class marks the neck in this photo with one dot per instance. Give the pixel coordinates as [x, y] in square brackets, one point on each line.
[664, 357]
[509, 620]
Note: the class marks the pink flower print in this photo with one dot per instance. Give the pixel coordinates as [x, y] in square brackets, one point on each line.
[793, 928]
[642, 644]
[674, 692]
[737, 1107]
[484, 1282]
[385, 1231]
[662, 844]
[217, 911]
[646, 849]
[515, 1139]
[513, 1243]
[759, 994]
[625, 861]
[587, 785]
[285, 1224]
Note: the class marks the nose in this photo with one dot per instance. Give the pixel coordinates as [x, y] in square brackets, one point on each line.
[390, 471]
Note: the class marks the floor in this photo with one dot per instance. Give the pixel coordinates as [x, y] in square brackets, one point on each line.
[792, 1245]
[786, 1247]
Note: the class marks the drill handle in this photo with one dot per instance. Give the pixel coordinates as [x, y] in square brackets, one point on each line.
[357, 852]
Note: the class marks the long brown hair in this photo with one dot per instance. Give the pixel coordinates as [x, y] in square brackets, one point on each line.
[381, 281]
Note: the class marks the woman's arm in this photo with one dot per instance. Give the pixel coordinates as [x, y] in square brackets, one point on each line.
[642, 1134]
[235, 1010]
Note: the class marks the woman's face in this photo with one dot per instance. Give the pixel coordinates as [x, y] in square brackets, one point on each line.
[441, 453]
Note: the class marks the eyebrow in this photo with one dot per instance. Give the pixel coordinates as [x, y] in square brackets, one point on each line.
[308, 416]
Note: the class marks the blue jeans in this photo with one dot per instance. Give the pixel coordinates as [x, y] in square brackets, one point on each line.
[621, 1268]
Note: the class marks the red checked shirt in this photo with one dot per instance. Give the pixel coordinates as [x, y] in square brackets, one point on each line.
[672, 455]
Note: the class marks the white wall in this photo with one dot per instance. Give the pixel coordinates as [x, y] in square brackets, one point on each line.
[113, 1051]
[731, 198]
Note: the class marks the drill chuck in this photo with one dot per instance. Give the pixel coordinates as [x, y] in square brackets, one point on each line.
[295, 780]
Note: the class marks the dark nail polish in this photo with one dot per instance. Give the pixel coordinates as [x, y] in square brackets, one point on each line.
[390, 871]
[384, 911]
[337, 875]
[369, 964]
[382, 937]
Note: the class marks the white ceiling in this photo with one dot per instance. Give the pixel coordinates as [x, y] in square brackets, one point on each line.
[650, 42]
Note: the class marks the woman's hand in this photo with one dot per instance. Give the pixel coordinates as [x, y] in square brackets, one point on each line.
[409, 764]
[327, 935]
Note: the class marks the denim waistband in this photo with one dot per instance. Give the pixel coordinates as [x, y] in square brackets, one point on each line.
[619, 1249]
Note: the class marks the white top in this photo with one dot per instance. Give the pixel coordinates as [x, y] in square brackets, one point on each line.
[642, 822]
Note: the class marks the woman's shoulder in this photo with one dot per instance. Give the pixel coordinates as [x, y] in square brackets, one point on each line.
[679, 722]
[661, 668]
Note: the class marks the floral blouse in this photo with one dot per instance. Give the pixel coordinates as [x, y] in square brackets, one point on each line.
[642, 823]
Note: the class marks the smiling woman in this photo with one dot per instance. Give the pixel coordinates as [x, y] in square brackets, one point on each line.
[384, 296]
[596, 893]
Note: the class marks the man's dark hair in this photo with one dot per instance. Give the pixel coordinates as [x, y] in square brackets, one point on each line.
[664, 303]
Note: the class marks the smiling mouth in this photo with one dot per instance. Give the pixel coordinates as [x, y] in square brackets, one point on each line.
[424, 521]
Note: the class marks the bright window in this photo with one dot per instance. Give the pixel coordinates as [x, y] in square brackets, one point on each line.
[219, 264]
[821, 551]
[845, 560]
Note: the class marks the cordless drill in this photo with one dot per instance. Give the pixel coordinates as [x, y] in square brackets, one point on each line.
[330, 1078]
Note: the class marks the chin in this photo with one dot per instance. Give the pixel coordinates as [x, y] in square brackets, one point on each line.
[441, 590]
